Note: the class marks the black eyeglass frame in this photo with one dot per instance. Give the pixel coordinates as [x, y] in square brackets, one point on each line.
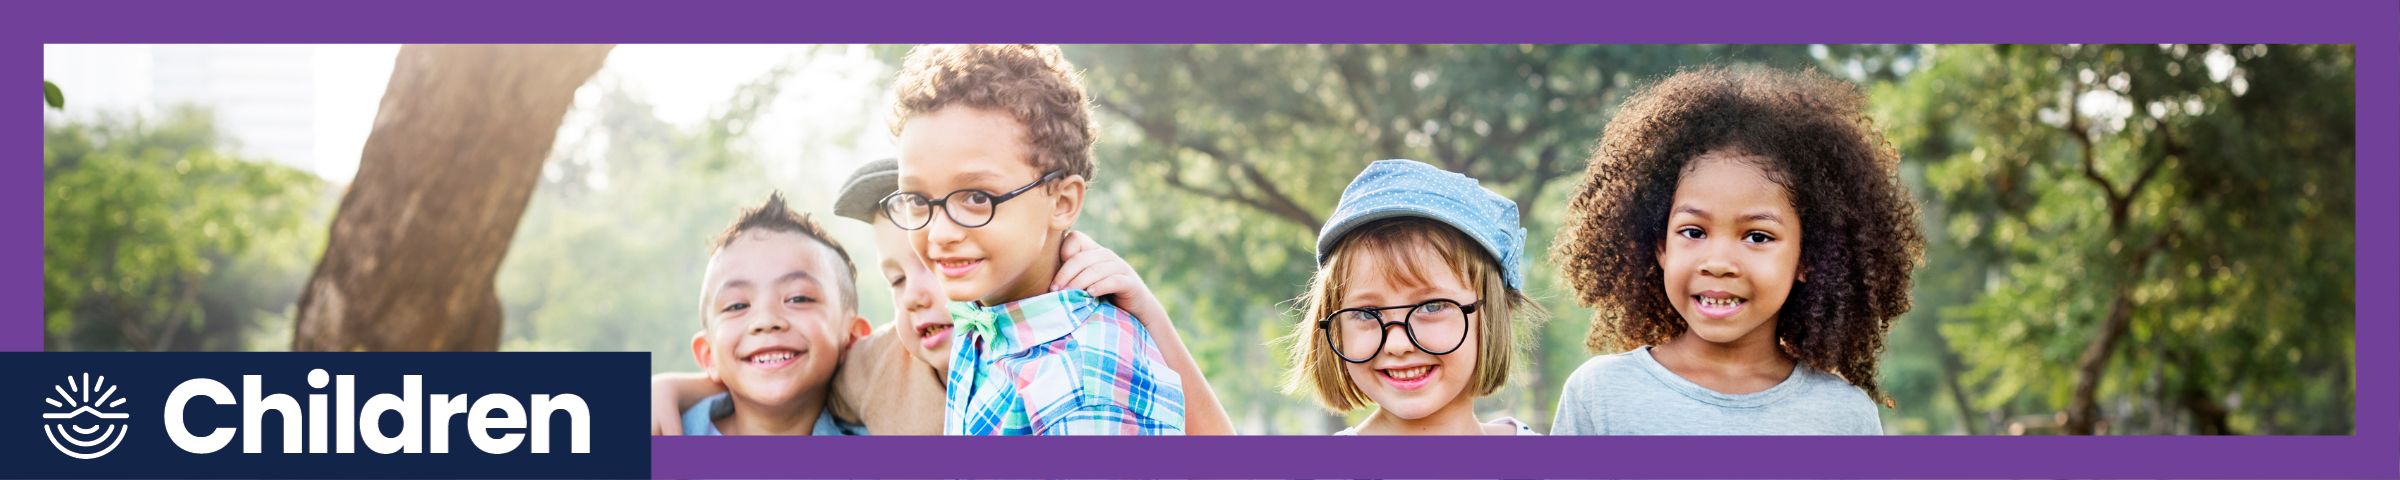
[1466, 313]
[891, 209]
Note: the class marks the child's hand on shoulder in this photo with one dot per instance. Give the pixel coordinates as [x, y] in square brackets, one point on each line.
[1096, 269]
[671, 393]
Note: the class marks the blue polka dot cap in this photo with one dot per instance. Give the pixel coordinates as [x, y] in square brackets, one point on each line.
[1408, 188]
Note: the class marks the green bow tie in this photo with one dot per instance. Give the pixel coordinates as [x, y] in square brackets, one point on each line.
[969, 319]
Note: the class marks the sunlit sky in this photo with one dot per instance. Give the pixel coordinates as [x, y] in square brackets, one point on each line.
[344, 84]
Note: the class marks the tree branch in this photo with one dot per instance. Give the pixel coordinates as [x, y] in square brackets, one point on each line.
[1268, 197]
[1175, 181]
[1531, 192]
[2079, 132]
[2083, 411]
[2171, 149]
[1354, 82]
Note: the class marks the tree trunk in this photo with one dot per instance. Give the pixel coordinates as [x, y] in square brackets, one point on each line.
[2208, 416]
[457, 147]
[1952, 370]
[2083, 411]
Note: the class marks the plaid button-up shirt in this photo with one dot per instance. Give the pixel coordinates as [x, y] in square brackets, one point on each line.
[1062, 363]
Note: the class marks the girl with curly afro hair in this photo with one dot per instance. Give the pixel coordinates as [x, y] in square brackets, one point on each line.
[1744, 240]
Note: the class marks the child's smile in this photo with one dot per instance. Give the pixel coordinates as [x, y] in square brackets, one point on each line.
[772, 311]
[1732, 252]
[1401, 379]
[1408, 377]
[773, 356]
[933, 335]
[917, 297]
[1000, 252]
[957, 268]
[1717, 304]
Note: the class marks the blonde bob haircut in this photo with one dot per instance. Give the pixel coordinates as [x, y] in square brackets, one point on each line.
[1387, 247]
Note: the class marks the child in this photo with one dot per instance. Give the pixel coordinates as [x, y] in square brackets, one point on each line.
[1430, 252]
[995, 149]
[1747, 230]
[892, 381]
[777, 310]
[895, 376]
[885, 379]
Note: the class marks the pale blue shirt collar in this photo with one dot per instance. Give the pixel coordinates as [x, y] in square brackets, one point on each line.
[701, 419]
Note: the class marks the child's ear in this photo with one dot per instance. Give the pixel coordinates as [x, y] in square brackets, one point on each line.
[859, 329]
[1068, 191]
[702, 354]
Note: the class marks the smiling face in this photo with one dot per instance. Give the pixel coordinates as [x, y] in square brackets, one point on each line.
[1732, 249]
[774, 322]
[922, 324]
[1014, 255]
[1402, 379]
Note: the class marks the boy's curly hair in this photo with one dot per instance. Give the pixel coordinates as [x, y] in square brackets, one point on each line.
[1032, 84]
[1859, 243]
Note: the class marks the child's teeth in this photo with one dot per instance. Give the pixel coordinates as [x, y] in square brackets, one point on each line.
[771, 357]
[1720, 302]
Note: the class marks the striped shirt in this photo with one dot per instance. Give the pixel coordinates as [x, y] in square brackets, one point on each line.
[1061, 363]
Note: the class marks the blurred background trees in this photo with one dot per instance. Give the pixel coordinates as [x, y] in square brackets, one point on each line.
[158, 235]
[2124, 239]
[2140, 238]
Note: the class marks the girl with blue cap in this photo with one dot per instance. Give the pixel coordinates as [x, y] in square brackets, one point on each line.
[1414, 306]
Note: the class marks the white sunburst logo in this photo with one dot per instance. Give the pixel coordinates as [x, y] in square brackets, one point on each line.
[83, 423]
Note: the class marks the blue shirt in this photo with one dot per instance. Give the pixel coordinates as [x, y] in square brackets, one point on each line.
[701, 419]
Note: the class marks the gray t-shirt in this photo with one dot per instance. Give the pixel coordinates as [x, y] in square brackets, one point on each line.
[1504, 422]
[1632, 394]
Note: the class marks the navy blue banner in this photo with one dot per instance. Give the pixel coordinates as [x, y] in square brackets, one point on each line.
[324, 415]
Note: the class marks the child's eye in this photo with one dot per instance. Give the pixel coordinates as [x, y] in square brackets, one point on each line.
[1433, 308]
[799, 299]
[1758, 237]
[1358, 316]
[1690, 232]
[735, 307]
[977, 199]
[897, 280]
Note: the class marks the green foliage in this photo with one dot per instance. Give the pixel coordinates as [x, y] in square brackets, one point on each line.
[52, 96]
[2207, 187]
[155, 238]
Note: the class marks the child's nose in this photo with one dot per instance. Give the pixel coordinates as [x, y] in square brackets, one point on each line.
[1717, 260]
[942, 228]
[1395, 339]
[770, 323]
[1718, 266]
[916, 300]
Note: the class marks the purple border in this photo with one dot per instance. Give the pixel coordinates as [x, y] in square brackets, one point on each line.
[2373, 25]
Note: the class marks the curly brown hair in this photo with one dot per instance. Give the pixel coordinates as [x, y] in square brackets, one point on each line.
[1033, 84]
[1841, 175]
